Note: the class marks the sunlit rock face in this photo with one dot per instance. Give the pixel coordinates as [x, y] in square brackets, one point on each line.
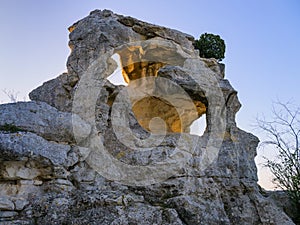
[141, 61]
[86, 151]
[136, 64]
[151, 107]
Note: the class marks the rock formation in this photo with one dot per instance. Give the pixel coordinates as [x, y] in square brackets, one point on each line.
[86, 151]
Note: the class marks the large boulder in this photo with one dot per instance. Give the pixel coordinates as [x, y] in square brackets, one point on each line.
[41, 119]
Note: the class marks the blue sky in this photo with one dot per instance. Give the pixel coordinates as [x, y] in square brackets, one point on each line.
[262, 42]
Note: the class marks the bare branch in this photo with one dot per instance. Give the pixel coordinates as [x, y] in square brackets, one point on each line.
[283, 133]
[11, 94]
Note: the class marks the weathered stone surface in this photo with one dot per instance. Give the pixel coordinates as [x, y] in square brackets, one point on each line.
[56, 92]
[21, 203]
[41, 119]
[105, 32]
[168, 100]
[215, 66]
[8, 214]
[6, 204]
[54, 170]
[21, 144]
[282, 200]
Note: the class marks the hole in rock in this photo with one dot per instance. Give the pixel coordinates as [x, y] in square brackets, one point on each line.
[198, 126]
[116, 77]
[188, 120]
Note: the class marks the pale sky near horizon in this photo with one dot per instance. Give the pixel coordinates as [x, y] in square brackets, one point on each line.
[262, 44]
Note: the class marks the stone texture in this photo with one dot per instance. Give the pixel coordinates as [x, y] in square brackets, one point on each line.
[41, 119]
[8, 214]
[174, 96]
[21, 203]
[106, 31]
[20, 145]
[50, 172]
[281, 199]
[215, 66]
[6, 204]
[56, 92]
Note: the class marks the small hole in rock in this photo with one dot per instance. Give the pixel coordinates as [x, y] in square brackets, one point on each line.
[198, 126]
[116, 77]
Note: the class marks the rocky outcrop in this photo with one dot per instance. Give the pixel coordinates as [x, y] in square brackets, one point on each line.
[282, 200]
[41, 119]
[86, 151]
[106, 31]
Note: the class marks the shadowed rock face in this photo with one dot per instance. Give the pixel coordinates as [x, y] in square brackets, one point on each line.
[152, 171]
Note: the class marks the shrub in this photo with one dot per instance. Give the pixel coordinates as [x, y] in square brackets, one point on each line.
[211, 46]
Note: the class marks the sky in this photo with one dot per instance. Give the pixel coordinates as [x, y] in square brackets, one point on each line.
[262, 45]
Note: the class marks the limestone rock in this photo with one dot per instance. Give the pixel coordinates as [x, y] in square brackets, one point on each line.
[281, 199]
[92, 36]
[8, 214]
[87, 151]
[41, 119]
[21, 203]
[6, 204]
[56, 92]
[20, 145]
[215, 66]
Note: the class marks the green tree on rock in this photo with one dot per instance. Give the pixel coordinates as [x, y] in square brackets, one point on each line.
[211, 46]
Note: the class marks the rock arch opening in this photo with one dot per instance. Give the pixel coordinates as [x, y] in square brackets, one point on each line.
[186, 120]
